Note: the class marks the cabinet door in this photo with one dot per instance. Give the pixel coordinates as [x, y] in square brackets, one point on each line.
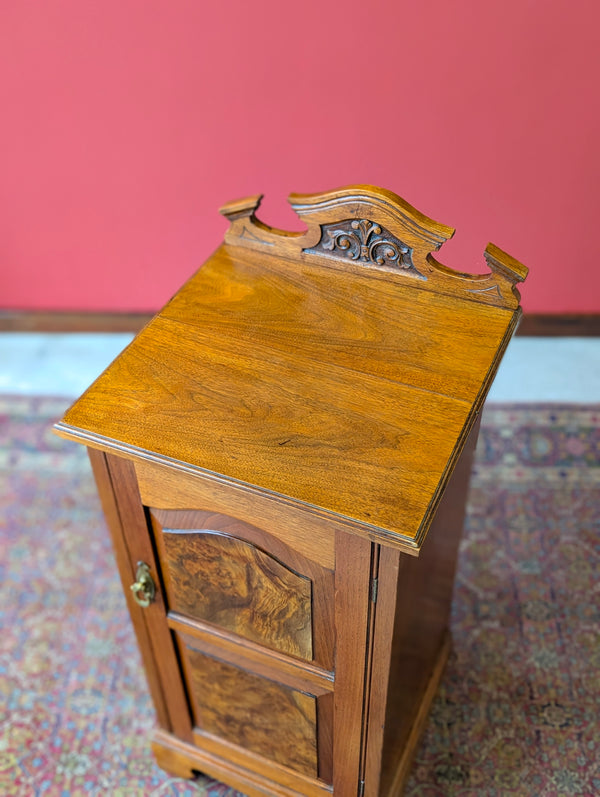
[255, 644]
[252, 621]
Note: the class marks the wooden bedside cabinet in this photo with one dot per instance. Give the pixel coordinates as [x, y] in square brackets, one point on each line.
[283, 457]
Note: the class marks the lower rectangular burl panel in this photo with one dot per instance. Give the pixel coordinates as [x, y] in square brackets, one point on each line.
[261, 716]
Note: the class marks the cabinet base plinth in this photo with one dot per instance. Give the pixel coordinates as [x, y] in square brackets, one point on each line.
[187, 761]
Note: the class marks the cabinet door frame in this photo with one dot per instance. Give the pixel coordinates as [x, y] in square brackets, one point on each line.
[127, 523]
[256, 657]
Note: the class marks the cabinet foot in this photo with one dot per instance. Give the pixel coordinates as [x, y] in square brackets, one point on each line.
[173, 762]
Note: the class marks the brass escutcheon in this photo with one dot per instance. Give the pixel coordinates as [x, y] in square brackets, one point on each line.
[143, 589]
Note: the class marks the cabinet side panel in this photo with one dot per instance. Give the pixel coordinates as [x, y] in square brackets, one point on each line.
[423, 601]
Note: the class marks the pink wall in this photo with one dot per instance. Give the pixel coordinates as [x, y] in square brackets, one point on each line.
[126, 123]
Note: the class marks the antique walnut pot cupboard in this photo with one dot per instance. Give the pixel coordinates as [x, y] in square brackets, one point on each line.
[283, 457]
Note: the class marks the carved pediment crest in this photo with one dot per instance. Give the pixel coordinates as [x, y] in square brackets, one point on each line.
[364, 225]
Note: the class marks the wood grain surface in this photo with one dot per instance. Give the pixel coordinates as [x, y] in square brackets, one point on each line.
[308, 634]
[359, 323]
[276, 421]
[252, 712]
[233, 584]
[167, 489]
[289, 428]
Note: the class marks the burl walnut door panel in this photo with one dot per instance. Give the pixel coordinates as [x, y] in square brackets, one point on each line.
[233, 584]
[255, 713]
[221, 571]
[253, 630]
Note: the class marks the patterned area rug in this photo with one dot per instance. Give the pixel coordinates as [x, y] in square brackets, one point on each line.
[518, 711]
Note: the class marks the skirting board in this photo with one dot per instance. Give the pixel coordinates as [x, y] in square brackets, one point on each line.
[532, 324]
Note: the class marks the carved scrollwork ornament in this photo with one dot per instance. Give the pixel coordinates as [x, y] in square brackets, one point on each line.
[365, 241]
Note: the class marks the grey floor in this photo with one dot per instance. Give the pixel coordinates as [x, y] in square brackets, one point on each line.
[533, 369]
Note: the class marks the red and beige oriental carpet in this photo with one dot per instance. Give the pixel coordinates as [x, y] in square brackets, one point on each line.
[518, 712]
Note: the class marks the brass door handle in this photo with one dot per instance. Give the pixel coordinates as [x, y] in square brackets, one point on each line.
[143, 589]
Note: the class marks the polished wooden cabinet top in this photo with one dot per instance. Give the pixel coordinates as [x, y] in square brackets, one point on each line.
[339, 369]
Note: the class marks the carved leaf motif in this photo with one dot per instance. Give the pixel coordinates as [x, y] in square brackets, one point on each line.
[367, 242]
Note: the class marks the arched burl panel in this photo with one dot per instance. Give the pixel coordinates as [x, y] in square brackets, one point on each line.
[232, 583]
[234, 576]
